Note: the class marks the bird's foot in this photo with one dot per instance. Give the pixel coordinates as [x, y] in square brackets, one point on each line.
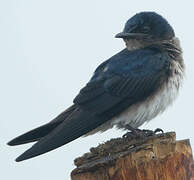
[138, 133]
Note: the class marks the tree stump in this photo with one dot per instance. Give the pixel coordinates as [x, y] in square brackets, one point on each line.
[158, 157]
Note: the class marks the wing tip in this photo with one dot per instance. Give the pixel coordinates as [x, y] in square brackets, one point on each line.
[26, 155]
[19, 141]
[12, 143]
[22, 157]
[18, 159]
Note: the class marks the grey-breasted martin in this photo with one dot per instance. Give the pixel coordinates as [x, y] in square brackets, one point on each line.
[128, 89]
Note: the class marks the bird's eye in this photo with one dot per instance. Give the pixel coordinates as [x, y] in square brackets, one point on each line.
[146, 29]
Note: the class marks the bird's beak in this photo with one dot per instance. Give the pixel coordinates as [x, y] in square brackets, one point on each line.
[130, 35]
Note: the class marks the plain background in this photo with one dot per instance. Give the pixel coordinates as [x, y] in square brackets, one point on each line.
[48, 52]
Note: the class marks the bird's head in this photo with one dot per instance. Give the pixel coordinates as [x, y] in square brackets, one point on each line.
[145, 28]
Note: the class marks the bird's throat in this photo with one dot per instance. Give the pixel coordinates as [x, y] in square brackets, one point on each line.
[172, 45]
[134, 44]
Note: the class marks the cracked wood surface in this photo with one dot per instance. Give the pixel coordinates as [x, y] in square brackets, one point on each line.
[158, 157]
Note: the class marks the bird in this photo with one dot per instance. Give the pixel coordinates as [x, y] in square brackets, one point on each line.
[128, 89]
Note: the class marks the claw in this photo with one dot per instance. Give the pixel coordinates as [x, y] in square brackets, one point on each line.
[138, 133]
[148, 132]
[129, 135]
[158, 130]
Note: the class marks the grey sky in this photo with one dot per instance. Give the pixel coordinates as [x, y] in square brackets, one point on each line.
[49, 50]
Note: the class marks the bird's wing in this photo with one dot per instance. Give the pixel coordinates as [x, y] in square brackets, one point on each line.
[127, 79]
[39, 132]
[122, 81]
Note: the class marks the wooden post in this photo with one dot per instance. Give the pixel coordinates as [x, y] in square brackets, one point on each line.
[159, 157]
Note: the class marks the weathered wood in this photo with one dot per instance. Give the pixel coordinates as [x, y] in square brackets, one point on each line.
[159, 157]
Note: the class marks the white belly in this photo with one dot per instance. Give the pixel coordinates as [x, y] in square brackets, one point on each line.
[139, 113]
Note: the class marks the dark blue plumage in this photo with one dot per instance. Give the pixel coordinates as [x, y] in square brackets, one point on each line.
[150, 23]
[128, 76]
[128, 80]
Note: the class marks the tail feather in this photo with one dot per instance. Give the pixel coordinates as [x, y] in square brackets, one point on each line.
[37, 133]
[33, 135]
[78, 124]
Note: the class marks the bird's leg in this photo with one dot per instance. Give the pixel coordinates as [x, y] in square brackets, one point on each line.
[138, 133]
[133, 132]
